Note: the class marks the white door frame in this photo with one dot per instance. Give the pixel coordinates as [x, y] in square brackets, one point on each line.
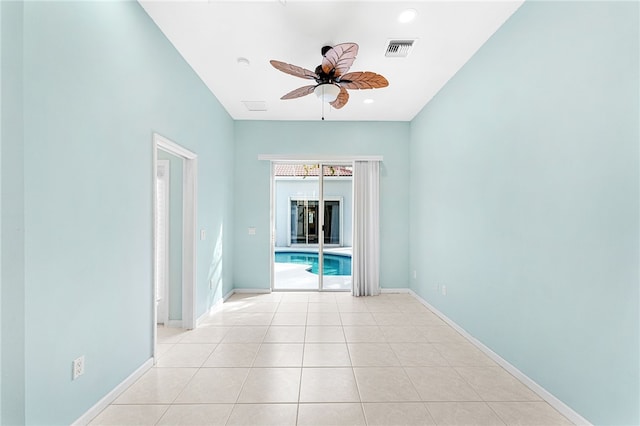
[189, 197]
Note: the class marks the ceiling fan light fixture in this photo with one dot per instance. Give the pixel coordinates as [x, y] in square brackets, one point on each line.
[327, 92]
[368, 101]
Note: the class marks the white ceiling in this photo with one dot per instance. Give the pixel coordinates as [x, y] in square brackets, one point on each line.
[212, 35]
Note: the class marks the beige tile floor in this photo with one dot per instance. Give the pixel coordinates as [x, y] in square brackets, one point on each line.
[324, 359]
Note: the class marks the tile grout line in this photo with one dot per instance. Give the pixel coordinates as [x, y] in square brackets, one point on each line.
[353, 373]
[304, 343]
[244, 382]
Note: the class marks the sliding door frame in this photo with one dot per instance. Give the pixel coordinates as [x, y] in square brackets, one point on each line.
[303, 159]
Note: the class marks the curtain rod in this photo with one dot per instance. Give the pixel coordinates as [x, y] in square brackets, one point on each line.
[316, 158]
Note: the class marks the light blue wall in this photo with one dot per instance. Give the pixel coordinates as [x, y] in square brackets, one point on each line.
[1, 118]
[12, 298]
[390, 139]
[99, 78]
[524, 201]
[175, 233]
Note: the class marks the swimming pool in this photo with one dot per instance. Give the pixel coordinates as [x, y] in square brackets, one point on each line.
[333, 264]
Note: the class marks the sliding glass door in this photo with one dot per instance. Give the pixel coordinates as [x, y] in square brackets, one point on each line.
[337, 189]
[312, 226]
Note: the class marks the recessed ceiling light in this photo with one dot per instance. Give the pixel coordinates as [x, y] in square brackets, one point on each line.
[368, 101]
[243, 62]
[407, 16]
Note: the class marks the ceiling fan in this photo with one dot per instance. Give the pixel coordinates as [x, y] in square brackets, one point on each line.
[331, 76]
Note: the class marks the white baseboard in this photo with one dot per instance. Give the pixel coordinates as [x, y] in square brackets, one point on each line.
[111, 396]
[215, 307]
[394, 290]
[226, 296]
[218, 305]
[563, 408]
[251, 290]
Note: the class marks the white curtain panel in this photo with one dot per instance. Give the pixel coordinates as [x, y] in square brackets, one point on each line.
[366, 228]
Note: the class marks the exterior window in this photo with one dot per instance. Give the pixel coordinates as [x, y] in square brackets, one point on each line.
[304, 222]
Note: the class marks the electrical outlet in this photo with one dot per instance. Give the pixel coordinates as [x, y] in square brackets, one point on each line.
[78, 367]
[444, 290]
[415, 274]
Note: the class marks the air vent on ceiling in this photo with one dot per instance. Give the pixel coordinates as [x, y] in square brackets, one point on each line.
[399, 48]
[255, 105]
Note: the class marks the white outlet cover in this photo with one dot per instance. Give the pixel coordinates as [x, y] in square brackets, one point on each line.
[78, 367]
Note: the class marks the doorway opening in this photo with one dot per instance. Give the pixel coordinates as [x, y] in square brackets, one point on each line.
[312, 225]
[174, 235]
[162, 231]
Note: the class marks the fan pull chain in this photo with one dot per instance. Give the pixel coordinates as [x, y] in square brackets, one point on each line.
[323, 111]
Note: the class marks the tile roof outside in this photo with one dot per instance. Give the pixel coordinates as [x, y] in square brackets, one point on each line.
[302, 170]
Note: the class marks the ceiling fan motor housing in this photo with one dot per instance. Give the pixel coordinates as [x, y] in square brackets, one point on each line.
[323, 77]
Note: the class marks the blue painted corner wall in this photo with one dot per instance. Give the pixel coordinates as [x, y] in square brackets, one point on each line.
[524, 201]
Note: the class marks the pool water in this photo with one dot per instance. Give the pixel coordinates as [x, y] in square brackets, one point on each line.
[333, 264]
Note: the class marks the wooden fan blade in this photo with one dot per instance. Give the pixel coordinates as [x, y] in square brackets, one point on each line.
[294, 70]
[341, 100]
[339, 58]
[299, 92]
[363, 80]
